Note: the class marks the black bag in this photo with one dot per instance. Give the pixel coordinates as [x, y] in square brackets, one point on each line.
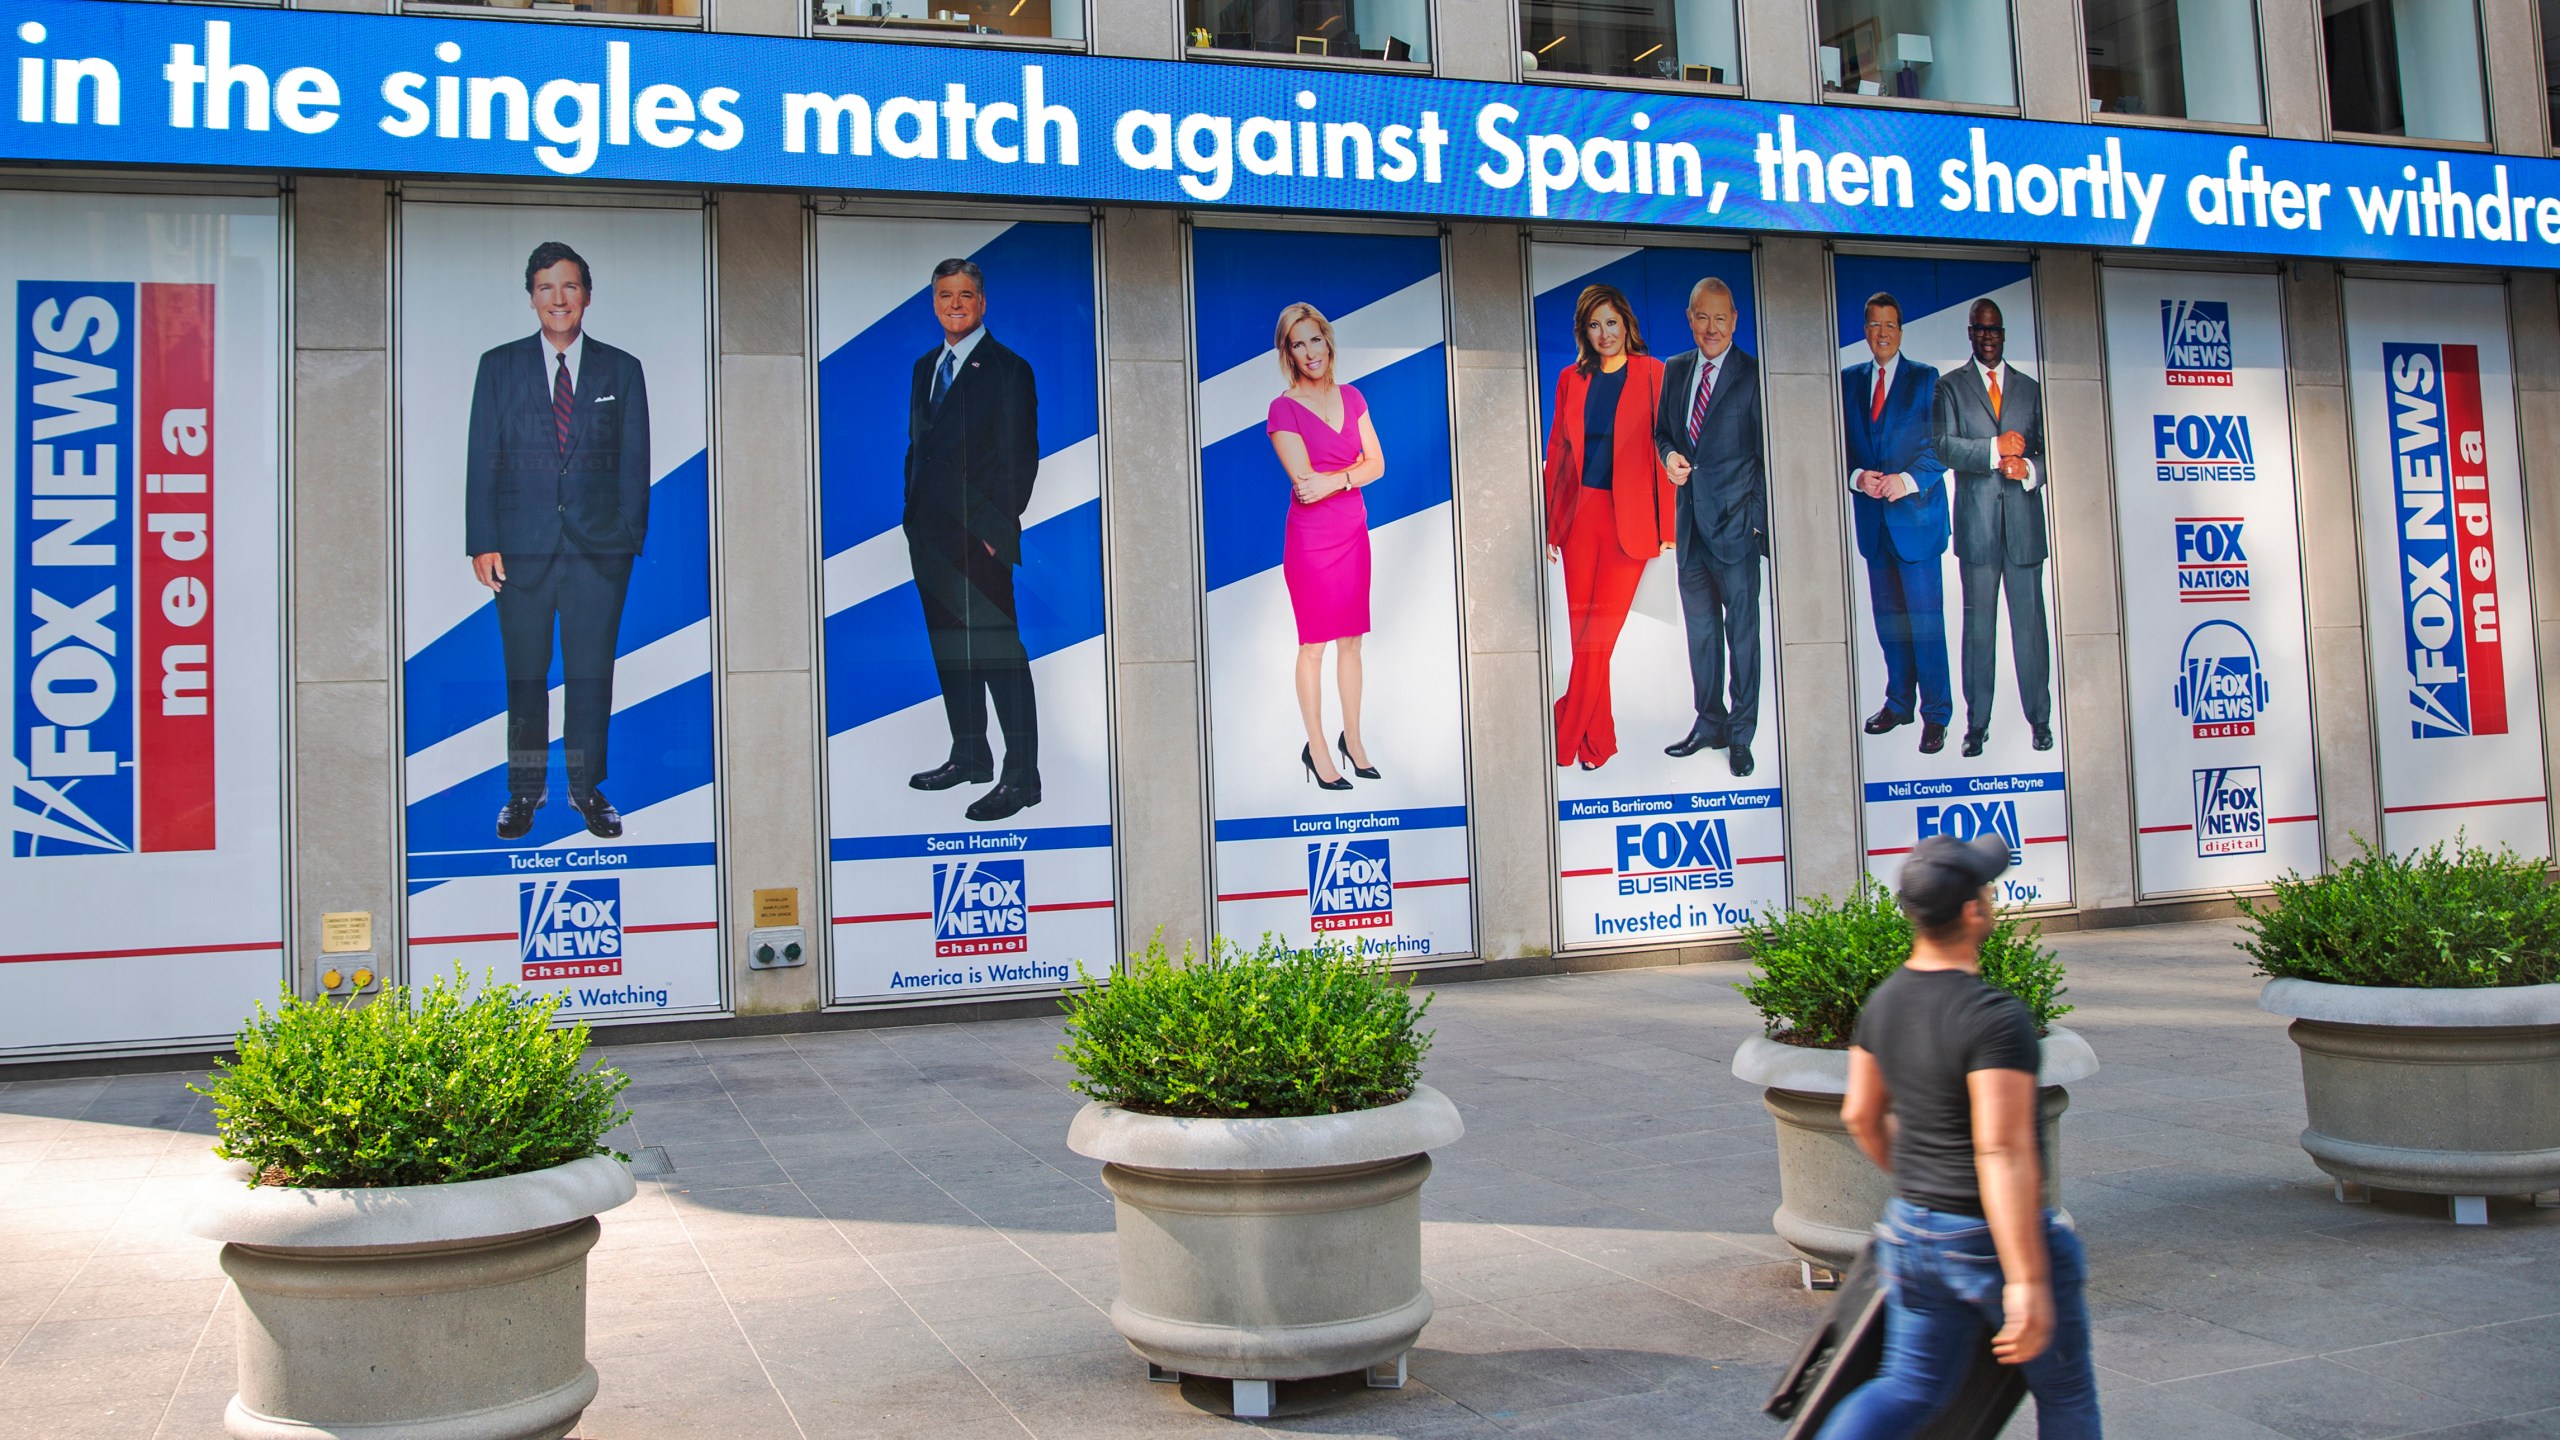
[1847, 1349]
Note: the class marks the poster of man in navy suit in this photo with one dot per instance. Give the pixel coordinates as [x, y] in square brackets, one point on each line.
[1898, 501]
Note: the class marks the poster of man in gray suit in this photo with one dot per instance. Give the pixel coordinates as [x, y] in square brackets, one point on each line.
[1988, 425]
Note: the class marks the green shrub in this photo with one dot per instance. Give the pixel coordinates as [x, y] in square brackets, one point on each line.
[421, 1087]
[1245, 1033]
[1819, 961]
[2460, 918]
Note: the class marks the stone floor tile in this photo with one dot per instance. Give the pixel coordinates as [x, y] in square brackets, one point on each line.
[1527, 1272]
[2502, 1371]
[2316, 1399]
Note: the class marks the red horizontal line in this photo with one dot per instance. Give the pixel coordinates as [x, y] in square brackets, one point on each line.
[1301, 891]
[139, 954]
[2030, 840]
[2461, 805]
[2201, 519]
[1073, 905]
[663, 929]
[1760, 860]
[417, 940]
[2166, 829]
[878, 919]
[2223, 599]
[2291, 819]
[1581, 874]
[1429, 884]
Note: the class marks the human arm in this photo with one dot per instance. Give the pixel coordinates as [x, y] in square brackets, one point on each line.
[1667, 430]
[1372, 464]
[1561, 468]
[634, 440]
[480, 479]
[1021, 439]
[2022, 450]
[1868, 1110]
[1955, 450]
[2011, 1176]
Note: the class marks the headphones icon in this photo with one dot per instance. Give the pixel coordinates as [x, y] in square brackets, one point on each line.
[2196, 671]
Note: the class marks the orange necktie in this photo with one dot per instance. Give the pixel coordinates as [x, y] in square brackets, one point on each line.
[1995, 395]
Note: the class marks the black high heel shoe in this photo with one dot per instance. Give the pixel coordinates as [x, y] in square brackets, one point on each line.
[1307, 757]
[1365, 772]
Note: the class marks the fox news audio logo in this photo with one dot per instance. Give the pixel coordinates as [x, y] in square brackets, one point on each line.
[1350, 885]
[1966, 819]
[569, 929]
[2231, 812]
[2202, 447]
[1674, 855]
[2448, 545]
[979, 908]
[2195, 341]
[2212, 564]
[111, 569]
[2221, 687]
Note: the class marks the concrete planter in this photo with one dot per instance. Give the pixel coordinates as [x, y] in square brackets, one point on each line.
[1264, 1250]
[1829, 1194]
[422, 1312]
[2441, 1092]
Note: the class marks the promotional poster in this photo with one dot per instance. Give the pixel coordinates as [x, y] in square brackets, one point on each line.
[140, 554]
[556, 603]
[1661, 615]
[960, 500]
[1336, 693]
[2457, 719]
[1943, 460]
[2217, 664]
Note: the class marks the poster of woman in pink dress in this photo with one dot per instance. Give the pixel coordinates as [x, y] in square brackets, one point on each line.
[1328, 449]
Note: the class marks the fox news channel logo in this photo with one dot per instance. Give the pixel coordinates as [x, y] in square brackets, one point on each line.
[569, 929]
[1351, 885]
[2195, 341]
[1674, 855]
[1966, 819]
[2221, 687]
[2231, 812]
[2448, 542]
[2188, 448]
[2213, 565]
[979, 908]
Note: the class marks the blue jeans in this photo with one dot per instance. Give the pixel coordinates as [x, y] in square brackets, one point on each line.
[1942, 1284]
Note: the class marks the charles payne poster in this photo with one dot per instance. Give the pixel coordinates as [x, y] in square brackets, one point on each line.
[1661, 619]
[2448, 608]
[968, 762]
[1959, 702]
[1336, 696]
[143, 885]
[2218, 678]
[556, 602]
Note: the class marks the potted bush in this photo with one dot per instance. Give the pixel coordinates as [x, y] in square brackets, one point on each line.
[1263, 1129]
[413, 1195]
[2424, 991]
[1817, 963]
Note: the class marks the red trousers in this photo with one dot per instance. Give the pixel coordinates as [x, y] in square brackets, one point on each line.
[1599, 585]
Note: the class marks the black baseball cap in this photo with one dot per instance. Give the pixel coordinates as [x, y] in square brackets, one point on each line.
[1944, 872]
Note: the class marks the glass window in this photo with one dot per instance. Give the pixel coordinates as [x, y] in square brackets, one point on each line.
[2184, 59]
[1030, 19]
[2551, 63]
[2405, 67]
[1643, 39]
[1345, 29]
[1955, 50]
[601, 9]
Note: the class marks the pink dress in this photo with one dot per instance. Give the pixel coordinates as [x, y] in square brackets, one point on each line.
[1325, 553]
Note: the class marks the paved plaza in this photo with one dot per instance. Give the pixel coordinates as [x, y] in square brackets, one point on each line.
[882, 1233]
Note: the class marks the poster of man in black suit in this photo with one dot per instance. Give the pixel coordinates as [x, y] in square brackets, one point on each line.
[973, 453]
[1708, 432]
[1989, 432]
[556, 508]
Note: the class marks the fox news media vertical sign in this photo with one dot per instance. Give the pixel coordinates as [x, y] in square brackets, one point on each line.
[2448, 606]
[143, 887]
[2217, 666]
[1383, 863]
[932, 893]
[1650, 847]
[606, 488]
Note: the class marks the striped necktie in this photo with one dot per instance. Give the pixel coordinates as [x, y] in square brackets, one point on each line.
[562, 393]
[1706, 387]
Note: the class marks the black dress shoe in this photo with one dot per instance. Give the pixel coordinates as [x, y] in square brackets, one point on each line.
[1365, 772]
[2043, 738]
[603, 821]
[1933, 737]
[1740, 758]
[1886, 721]
[515, 818]
[950, 773]
[1008, 797]
[1699, 738]
[1973, 742]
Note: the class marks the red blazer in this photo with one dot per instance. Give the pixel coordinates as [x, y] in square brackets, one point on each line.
[1645, 501]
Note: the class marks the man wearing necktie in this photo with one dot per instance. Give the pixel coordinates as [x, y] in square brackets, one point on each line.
[1898, 499]
[1989, 427]
[973, 453]
[555, 509]
[1709, 434]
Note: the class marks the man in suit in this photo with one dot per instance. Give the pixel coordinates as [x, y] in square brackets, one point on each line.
[1989, 424]
[973, 451]
[1898, 498]
[1708, 430]
[555, 508]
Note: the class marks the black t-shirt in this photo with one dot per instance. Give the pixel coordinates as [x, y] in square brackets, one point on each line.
[1929, 1029]
[1599, 419]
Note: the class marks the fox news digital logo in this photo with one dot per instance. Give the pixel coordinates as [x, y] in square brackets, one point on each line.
[2221, 687]
[569, 929]
[979, 908]
[2231, 812]
[1350, 885]
[1672, 855]
[2195, 341]
[2188, 448]
[2212, 564]
[1966, 819]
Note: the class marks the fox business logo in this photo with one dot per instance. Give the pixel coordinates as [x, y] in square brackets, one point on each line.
[2221, 687]
[2213, 565]
[1351, 885]
[979, 908]
[2448, 542]
[569, 929]
[2195, 341]
[1674, 855]
[2189, 448]
[2231, 812]
[1967, 819]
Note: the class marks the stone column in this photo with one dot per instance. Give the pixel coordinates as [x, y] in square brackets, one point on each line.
[1477, 40]
[1139, 29]
[2332, 582]
[2518, 104]
[1778, 53]
[2297, 85]
[2053, 79]
[759, 17]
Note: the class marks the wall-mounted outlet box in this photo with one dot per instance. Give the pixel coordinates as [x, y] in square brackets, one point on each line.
[778, 947]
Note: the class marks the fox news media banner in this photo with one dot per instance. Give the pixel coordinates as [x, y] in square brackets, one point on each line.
[1957, 698]
[143, 886]
[1332, 620]
[1651, 847]
[2225, 792]
[2448, 606]
[968, 759]
[557, 715]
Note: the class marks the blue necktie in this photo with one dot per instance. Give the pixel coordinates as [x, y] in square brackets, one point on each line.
[942, 378]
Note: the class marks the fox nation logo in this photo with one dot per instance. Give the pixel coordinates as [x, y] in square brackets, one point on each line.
[569, 929]
[2188, 448]
[2221, 686]
[2195, 341]
[1674, 855]
[1966, 819]
[979, 908]
[2212, 563]
[1350, 885]
[2231, 812]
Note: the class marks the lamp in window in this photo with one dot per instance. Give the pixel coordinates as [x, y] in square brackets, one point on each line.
[1910, 50]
